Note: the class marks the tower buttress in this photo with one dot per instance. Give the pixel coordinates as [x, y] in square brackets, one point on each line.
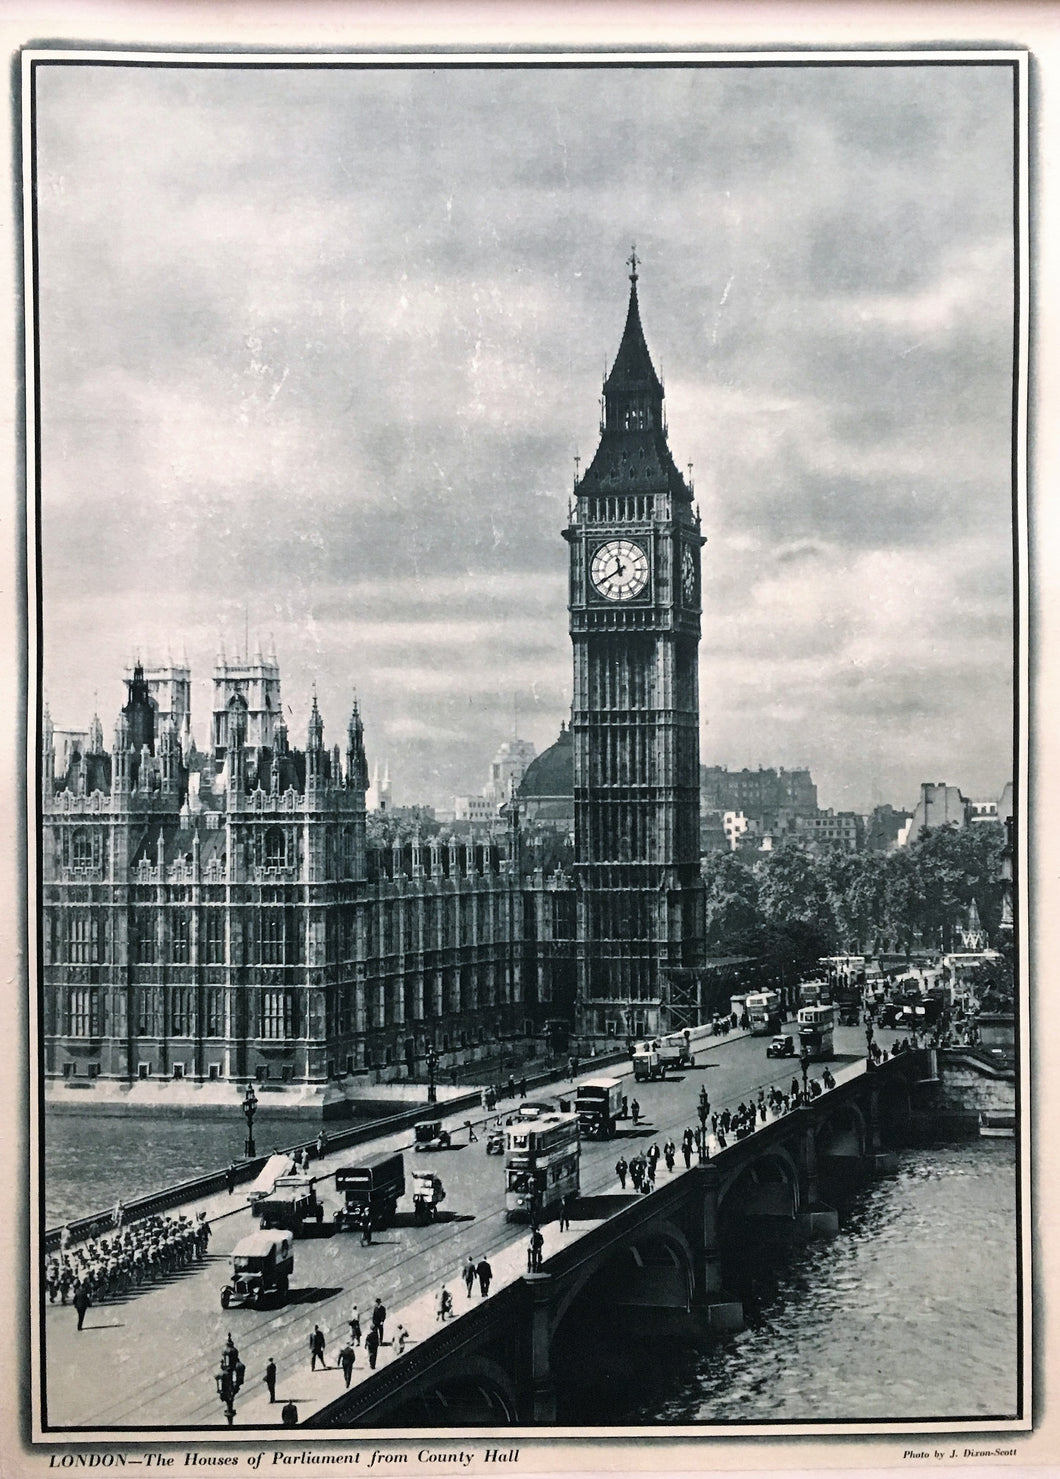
[236, 755]
[47, 768]
[121, 769]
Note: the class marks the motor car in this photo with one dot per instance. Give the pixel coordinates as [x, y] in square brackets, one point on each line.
[495, 1142]
[429, 1135]
[782, 1046]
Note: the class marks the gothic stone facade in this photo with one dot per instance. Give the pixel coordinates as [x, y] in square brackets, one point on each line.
[235, 923]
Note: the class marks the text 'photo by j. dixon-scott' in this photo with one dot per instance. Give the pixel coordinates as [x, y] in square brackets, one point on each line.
[526, 796]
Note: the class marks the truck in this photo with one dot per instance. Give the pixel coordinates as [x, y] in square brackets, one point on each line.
[648, 1062]
[262, 1264]
[675, 1049]
[370, 1189]
[428, 1194]
[262, 1186]
[293, 1204]
[598, 1105]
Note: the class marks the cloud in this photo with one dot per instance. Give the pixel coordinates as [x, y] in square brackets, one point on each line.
[320, 347]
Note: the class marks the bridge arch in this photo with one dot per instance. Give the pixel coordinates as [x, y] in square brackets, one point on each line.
[614, 1328]
[842, 1132]
[474, 1392]
[659, 1245]
[766, 1186]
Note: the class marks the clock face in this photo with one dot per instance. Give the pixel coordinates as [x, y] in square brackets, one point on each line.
[619, 570]
[688, 576]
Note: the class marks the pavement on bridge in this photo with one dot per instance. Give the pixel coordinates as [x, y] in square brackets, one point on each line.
[148, 1359]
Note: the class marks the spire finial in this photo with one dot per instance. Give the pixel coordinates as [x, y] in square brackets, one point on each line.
[632, 261]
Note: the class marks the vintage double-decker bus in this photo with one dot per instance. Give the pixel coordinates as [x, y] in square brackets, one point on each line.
[816, 1026]
[542, 1158]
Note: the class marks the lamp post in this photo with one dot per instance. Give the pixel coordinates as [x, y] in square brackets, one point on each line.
[250, 1109]
[804, 1060]
[230, 1378]
[432, 1069]
[703, 1110]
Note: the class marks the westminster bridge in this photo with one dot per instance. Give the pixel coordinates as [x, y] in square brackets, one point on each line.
[664, 1257]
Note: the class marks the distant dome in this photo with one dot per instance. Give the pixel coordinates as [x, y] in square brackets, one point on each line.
[552, 772]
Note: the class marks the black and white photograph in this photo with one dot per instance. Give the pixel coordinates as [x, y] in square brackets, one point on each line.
[526, 714]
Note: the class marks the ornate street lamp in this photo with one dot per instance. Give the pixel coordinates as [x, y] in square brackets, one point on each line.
[432, 1069]
[703, 1110]
[250, 1109]
[804, 1060]
[230, 1378]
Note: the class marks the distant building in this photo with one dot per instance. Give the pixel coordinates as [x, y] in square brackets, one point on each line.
[507, 769]
[546, 791]
[379, 796]
[940, 805]
[757, 793]
[885, 828]
[829, 829]
[474, 809]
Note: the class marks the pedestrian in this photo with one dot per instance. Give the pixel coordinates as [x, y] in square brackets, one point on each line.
[378, 1318]
[443, 1308]
[468, 1274]
[669, 1154]
[316, 1349]
[511, 1086]
[686, 1151]
[322, 1145]
[570, 1067]
[82, 1300]
[289, 1415]
[355, 1326]
[270, 1379]
[401, 1338]
[533, 1255]
[485, 1275]
[522, 1087]
[118, 1215]
[372, 1341]
[484, 1096]
[564, 1215]
[347, 1356]
[471, 1136]
[621, 1171]
[366, 1229]
[634, 1110]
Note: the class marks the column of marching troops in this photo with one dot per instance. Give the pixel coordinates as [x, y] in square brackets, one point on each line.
[126, 1258]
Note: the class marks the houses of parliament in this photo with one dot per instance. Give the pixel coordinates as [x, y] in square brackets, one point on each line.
[227, 914]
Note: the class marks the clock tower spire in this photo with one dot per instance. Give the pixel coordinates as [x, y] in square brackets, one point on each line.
[635, 543]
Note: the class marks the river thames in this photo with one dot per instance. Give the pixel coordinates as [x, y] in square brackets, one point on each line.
[910, 1312]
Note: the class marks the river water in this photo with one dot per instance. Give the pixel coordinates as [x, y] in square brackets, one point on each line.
[92, 1160]
[910, 1312]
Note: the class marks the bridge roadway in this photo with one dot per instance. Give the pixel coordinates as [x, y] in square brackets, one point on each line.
[148, 1359]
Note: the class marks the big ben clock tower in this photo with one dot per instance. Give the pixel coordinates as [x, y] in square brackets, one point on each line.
[635, 545]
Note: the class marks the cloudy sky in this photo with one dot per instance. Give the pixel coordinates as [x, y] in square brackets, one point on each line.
[319, 348]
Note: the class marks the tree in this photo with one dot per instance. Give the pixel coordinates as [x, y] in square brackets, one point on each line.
[732, 908]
